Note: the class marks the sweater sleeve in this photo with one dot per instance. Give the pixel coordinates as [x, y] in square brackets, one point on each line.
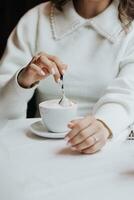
[19, 51]
[116, 107]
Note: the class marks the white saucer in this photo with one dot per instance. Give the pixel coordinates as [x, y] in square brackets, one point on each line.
[38, 129]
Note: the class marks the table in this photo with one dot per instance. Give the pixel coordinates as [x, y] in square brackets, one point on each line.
[35, 168]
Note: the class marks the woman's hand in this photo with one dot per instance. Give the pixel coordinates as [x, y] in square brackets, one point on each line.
[87, 135]
[40, 67]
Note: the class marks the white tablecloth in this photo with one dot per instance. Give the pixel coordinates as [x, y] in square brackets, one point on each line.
[34, 168]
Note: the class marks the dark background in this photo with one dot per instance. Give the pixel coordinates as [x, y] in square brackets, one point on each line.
[10, 12]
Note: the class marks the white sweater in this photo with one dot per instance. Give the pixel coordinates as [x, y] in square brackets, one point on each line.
[99, 53]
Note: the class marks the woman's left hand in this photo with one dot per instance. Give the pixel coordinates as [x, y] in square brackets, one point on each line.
[87, 135]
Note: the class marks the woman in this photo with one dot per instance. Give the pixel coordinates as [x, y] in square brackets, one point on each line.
[91, 42]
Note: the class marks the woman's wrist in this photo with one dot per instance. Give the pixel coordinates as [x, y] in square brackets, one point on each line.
[23, 80]
[109, 130]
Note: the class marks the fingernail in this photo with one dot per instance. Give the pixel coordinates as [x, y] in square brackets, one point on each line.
[65, 65]
[69, 145]
[70, 124]
[42, 73]
[53, 71]
[73, 148]
[66, 139]
[58, 81]
[63, 71]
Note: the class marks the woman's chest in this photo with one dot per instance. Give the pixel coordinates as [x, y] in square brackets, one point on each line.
[93, 62]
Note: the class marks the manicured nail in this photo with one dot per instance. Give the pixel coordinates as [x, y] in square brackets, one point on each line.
[70, 124]
[53, 71]
[65, 65]
[63, 71]
[69, 145]
[42, 73]
[59, 81]
[73, 148]
[66, 139]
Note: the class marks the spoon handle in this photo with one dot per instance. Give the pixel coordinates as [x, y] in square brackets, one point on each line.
[61, 78]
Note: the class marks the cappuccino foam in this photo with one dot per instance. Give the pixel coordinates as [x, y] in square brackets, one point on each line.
[55, 104]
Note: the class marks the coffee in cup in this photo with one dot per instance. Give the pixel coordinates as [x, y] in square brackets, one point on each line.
[55, 116]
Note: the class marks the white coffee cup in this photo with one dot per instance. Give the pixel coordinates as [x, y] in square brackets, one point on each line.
[56, 117]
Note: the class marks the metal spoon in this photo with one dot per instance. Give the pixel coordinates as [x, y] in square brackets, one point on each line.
[64, 101]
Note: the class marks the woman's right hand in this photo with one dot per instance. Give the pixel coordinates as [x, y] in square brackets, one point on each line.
[40, 67]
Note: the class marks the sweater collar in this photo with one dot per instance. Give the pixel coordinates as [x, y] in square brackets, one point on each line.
[107, 24]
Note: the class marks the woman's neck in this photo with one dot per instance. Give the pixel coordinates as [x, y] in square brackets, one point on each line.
[91, 8]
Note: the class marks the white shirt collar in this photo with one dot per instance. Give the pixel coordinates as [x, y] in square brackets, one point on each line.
[106, 24]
